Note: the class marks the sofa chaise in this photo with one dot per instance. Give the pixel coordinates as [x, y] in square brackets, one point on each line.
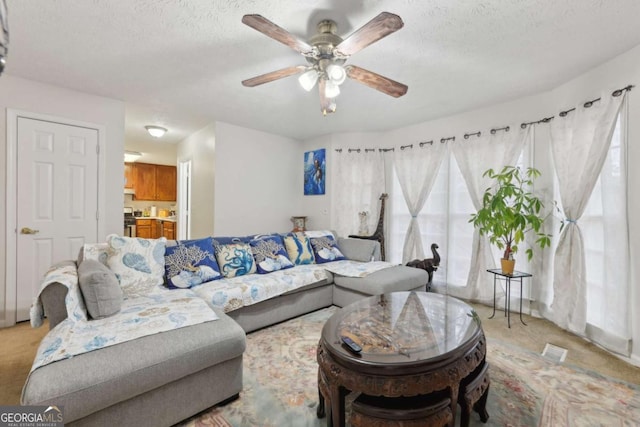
[167, 377]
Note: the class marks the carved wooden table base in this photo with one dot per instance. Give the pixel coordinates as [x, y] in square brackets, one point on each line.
[335, 380]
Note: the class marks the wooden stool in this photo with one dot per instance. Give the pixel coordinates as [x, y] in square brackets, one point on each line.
[416, 411]
[474, 390]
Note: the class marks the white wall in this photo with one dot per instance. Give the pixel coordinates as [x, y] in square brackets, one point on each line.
[26, 95]
[200, 148]
[617, 73]
[258, 181]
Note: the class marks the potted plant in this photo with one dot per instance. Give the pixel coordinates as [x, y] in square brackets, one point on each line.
[509, 211]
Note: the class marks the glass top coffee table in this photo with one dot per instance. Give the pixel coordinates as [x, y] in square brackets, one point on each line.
[413, 343]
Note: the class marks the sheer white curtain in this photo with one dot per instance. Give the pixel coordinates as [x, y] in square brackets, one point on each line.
[416, 169]
[474, 156]
[605, 228]
[579, 145]
[357, 183]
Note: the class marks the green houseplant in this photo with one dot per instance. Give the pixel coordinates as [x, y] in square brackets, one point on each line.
[509, 211]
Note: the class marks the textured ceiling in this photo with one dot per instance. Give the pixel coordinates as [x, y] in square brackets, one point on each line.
[179, 63]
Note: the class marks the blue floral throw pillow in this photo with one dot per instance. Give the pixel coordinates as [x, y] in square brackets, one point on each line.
[299, 248]
[190, 263]
[235, 259]
[326, 249]
[270, 254]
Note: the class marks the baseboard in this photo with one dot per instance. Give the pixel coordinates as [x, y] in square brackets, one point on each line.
[634, 359]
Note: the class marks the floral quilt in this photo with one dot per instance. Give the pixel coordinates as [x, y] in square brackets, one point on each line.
[236, 292]
[233, 293]
[65, 273]
[163, 310]
[160, 311]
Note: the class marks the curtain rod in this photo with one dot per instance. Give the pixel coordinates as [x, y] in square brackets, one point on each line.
[587, 104]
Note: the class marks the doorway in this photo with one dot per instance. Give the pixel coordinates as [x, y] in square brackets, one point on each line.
[52, 200]
[184, 200]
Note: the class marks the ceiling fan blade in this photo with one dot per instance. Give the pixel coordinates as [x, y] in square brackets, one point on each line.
[327, 106]
[379, 27]
[376, 81]
[268, 28]
[274, 75]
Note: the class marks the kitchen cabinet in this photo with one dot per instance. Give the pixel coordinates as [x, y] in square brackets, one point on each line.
[151, 228]
[166, 183]
[154, 182]
[128, 176]
[145, 181]
[144, 228]
[169, 230]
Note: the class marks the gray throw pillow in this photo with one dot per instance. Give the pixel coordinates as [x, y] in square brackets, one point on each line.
[100, 288]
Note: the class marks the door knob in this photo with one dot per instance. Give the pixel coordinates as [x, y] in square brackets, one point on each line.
[27, 230]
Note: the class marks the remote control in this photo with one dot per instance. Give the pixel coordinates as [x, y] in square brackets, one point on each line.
[352, 346]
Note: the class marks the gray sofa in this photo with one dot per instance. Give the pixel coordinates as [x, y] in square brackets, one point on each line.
[165, 378]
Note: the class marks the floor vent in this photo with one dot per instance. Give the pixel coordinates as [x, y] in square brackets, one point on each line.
[554, 353]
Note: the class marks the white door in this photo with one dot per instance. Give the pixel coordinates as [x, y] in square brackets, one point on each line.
[184, 200]
[57, 200]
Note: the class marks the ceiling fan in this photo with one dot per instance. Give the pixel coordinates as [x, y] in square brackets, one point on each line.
[326, 52]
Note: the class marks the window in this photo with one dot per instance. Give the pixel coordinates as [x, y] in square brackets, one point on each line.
[604, 230]
[432, 220]
[444, 220]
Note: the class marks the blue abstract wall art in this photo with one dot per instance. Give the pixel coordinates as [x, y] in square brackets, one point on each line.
[314, 172]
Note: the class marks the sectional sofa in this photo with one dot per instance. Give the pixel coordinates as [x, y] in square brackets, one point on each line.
[166, 377]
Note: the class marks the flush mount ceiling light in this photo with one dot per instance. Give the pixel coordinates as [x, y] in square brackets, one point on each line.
[132, 156]
[156, 131]
[326, 52]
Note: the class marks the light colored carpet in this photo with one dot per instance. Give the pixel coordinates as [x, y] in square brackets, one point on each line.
[280, 388]
[18, 349]
[538, 332]
[19, 345]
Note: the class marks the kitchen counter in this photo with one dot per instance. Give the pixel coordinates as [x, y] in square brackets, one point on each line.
[159, 218]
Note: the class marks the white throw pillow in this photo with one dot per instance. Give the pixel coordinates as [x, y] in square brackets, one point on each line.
[138, 263]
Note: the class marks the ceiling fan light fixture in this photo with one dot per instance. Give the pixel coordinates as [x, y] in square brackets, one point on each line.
[336, 74]
[331, 90]
[325, 53]
[156, 131]
[308, 79]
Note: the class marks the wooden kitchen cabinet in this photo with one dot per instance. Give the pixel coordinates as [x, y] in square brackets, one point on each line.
[169, 230]
[154, 182]
[128, 175]
[145, 181]
[148, 228]
[143, 228]
[155, 229]
[166, 183]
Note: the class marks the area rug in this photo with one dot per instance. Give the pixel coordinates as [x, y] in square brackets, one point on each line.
[280, 386]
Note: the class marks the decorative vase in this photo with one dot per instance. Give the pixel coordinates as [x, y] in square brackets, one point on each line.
[363, 230]
[507, 265]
